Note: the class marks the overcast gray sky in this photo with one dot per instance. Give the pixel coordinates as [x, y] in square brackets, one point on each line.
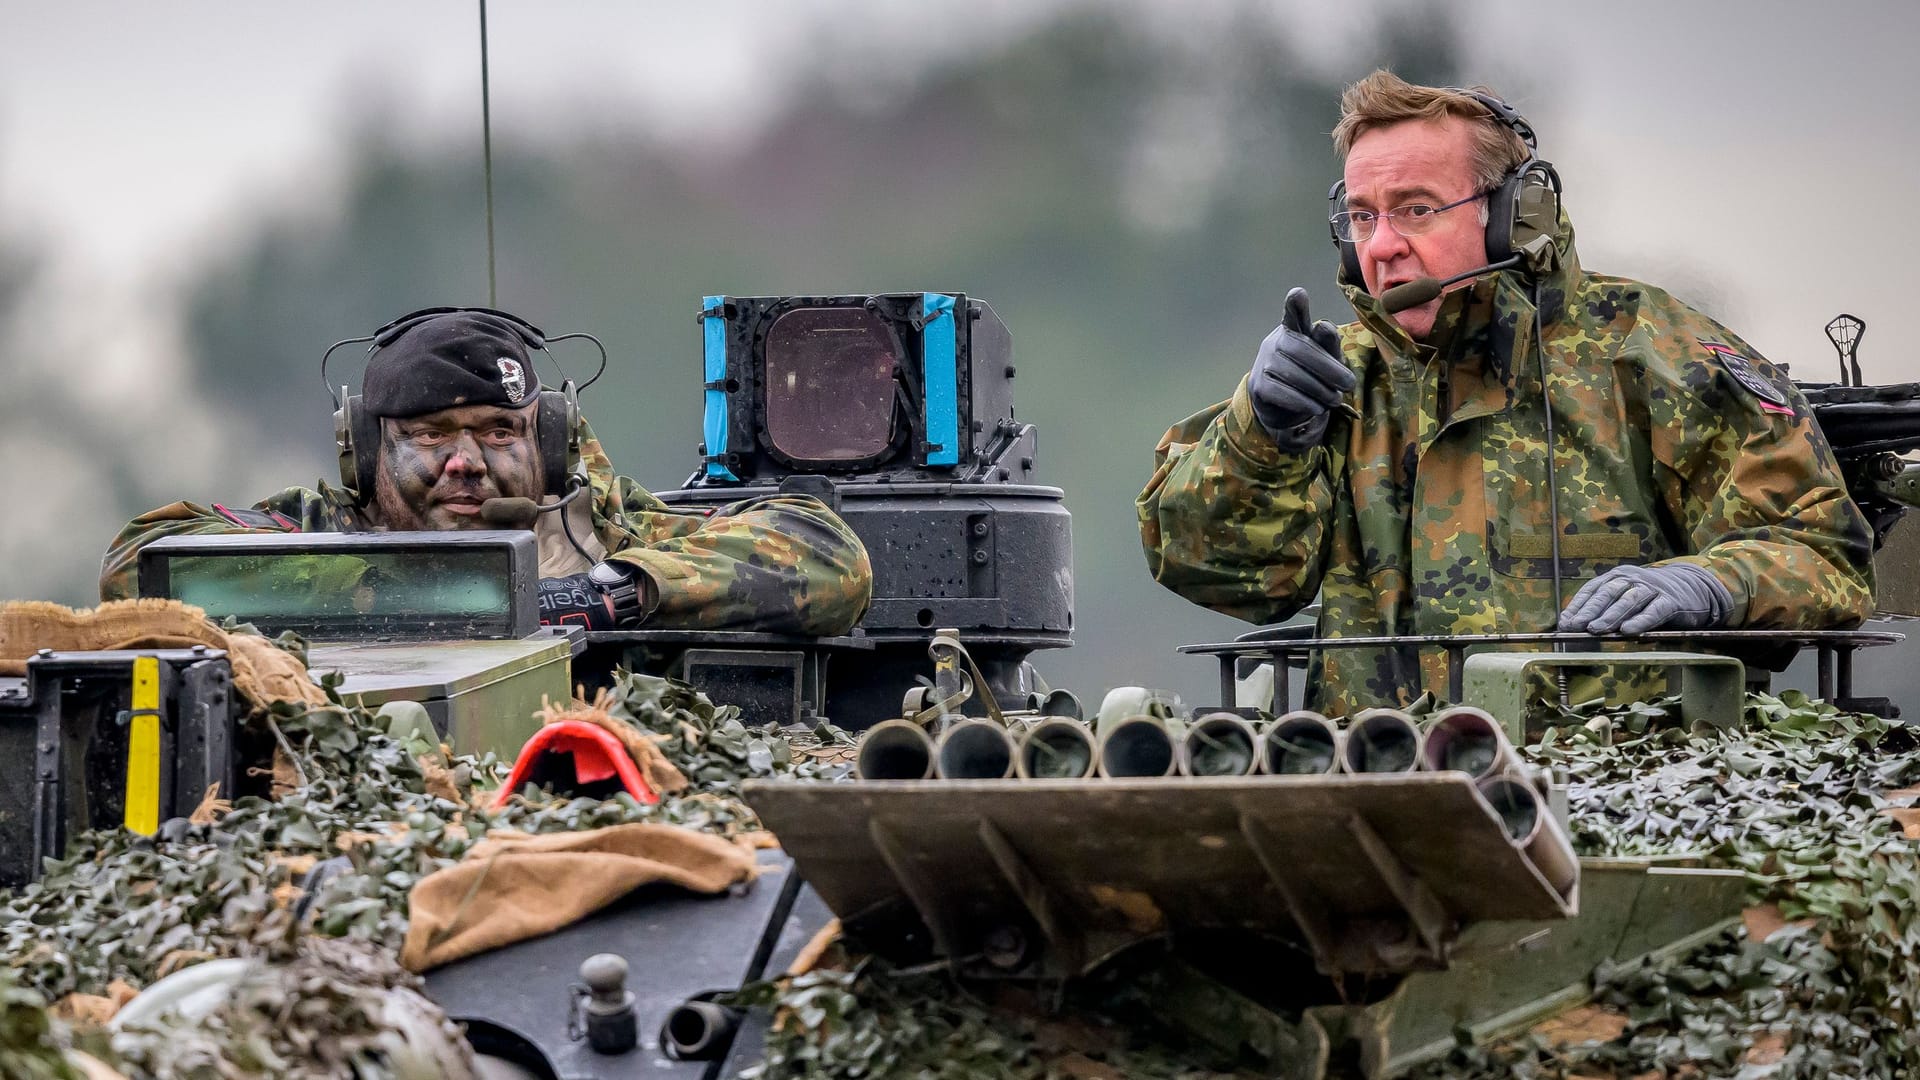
[1704, 145]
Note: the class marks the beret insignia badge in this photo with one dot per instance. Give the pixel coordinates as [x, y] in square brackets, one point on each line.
[513, 379]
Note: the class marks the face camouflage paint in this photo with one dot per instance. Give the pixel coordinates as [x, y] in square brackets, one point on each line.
[436, 469]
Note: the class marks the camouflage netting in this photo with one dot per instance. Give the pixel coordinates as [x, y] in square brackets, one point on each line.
[319, 1007]
[1806, 800]
[1817, 807]
[29, 1047]
[128, 909]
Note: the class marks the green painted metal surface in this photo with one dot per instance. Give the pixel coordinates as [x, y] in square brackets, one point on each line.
[1507, 976]
[1711, 687]
[482, 695]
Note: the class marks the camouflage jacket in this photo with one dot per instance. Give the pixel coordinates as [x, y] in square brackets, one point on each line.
[783, 564]
[1426, 512]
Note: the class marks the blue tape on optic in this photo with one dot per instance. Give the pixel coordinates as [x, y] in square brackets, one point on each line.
[714, 327]
[938, 348]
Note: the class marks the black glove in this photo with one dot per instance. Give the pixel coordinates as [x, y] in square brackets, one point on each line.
[574, 601]
[1636, 599]
[1298, 377]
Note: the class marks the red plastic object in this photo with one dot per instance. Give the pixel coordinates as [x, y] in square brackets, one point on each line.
[597, 755]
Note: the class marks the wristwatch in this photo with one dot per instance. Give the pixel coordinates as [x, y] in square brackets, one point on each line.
[621, 585]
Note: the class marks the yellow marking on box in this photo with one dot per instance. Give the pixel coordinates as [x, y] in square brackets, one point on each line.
[143, 748]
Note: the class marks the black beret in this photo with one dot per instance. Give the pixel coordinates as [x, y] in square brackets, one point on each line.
[459, 358]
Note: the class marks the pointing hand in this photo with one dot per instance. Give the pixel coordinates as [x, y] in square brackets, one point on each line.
[1298, 377]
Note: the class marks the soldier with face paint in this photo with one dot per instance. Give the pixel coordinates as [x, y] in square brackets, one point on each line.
[457, 399]
[1396, 467]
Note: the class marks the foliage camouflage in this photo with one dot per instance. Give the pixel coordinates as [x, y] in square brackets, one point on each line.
[1796, 800]
[1418, 517]
[782, 564]
[29, 1047]
[871, 1021]
[318, 1011]
[126, 907]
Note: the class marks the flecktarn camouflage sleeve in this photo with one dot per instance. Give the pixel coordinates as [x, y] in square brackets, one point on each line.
[781, 564]
[1757, 487]
[293, 510]
[1232, 523]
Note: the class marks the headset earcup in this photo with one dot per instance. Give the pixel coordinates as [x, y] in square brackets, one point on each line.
[554, 430]
[1500, 205]
[357, 438]
[1349, 253]
[366, 449]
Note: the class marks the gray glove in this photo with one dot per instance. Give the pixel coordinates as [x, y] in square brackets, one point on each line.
[1636, 599]
[1298, 377]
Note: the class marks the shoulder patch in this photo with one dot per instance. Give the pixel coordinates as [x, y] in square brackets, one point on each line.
[1741, 368]
[256, 519]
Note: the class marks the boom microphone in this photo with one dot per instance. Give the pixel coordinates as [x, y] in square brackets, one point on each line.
[514, 513]
[1420, 290]
[519, 513]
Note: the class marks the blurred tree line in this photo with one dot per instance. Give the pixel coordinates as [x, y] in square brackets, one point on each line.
[1133, 204]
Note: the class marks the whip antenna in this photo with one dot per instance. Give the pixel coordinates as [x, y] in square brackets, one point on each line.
[1845, 331]
[486, 152]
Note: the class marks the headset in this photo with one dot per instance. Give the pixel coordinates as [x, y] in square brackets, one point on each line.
[1523, 211]
[556, 414]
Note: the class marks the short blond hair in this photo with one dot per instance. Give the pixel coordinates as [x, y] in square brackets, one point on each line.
[1384, 98]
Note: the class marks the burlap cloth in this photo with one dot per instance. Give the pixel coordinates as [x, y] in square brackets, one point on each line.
[513, 886]
[262, 672]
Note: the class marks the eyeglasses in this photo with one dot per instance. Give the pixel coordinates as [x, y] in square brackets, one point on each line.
[1357, 226]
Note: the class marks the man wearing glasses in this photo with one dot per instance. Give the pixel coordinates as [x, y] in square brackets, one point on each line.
[1396, 466]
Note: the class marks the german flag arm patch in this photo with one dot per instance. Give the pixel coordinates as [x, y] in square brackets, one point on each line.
[1769, 396]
